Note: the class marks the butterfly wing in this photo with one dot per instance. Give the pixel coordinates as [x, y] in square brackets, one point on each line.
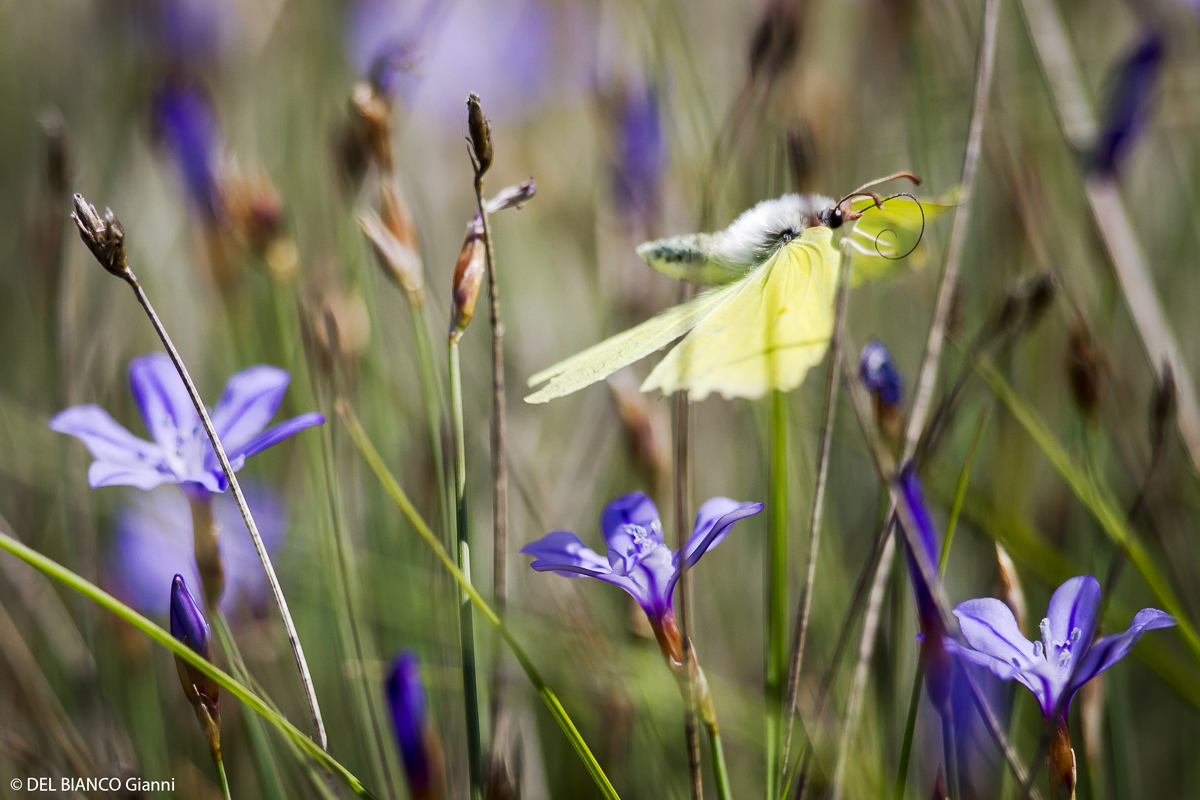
[598, 362]
[882, 236]
[773, 328]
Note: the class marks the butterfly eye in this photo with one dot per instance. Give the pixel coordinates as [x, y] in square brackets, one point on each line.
[834, 218]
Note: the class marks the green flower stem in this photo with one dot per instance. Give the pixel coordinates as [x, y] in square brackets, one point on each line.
[466, 621]
[106, 601]
[431, 391]
[375, 461]
[221, 776]
[960, 496]
[720, 771]
[777, 593]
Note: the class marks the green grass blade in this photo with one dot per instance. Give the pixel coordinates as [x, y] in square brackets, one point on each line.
[1098, 500]
[106, 601]
[392, 487]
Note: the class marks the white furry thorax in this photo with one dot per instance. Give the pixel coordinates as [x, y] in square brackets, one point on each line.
[758, 231]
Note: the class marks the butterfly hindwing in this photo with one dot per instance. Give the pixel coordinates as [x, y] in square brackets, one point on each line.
[773, 328]
[883, 235]
[598, 362]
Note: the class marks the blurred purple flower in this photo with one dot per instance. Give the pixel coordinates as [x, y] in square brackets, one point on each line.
[432, 54]
[641, 152]
[879, 374]
[406, 698]
[181, 452]
[186, 33]
[638, 561]
[1065, 658]
[923, 566]
[1130, 99]
[153, 541]
[184, 118]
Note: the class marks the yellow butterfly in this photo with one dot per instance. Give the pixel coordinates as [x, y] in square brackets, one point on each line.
[769, 317]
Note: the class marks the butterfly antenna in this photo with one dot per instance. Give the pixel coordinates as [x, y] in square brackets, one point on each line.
[921, 208]
[892, 177]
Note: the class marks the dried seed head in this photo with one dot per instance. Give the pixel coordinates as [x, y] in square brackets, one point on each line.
[1039, 292]
[468, 276]
[254, 209]
[104, 237]
[1083, 370]
[400, 261]
[481, 135]
[1008, 585]
[375, 114]
[1162, 406]
[514, 196]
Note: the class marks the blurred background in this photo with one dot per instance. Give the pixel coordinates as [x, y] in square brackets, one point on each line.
[224, 136]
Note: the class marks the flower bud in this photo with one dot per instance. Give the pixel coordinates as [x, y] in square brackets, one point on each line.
[376, 117]
[1008, 585]
[420, 749]
[104, 237]
[1083, 370]
[481, 135]
[1129, 105]
[1040, 292]
[399, 259]
[189, 626]
[514, 196]
[885, 383]
[468, 276]
[1060, 763]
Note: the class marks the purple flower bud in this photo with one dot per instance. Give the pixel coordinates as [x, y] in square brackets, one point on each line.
[1132, 91]
[185, 119]
[406, 697]
[879, 374]
[641, 152]
[189, 626]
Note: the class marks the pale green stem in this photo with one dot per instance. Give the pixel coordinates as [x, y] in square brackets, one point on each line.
[466, 622]
[221, 776]
[777, 593]
[720, 771]
[375, 461]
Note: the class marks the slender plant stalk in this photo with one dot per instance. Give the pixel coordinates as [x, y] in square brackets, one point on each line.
[221, 776]
[466, 621]
[310, 693]
[260, 749]
[814, 524]
[432, 396]
[720, 771]
[375, 461]
[682, 498]
[950, 754]
[960, 496]
[252, 700]
[777, 594]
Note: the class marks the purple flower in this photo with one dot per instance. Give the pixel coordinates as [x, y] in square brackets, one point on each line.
[641, 152]
[153, 541]
[406, 698]
[1129, 104]
[638, 561]
[181, 452]
[1065, 658]
[189, 626]
[879, 374]
[184, 117]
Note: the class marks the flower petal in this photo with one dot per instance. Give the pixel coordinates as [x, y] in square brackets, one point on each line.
[634, 508]
[989, 627]
[163, 400]
[1108, 650]
[275, 435]
[714, 520]
[1074, 605]
[106, 473]
[564, 553]
[1006, 671]
[104, 437]
[250, 399]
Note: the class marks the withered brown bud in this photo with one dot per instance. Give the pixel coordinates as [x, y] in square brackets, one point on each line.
[254, 209]
[376, 116]
[104, 237]
[1008, 585]
[1009, 314]
[1060, 763]
[1162, 406]
[481, 135]
[802, 155]
[1083, 370]
[400, 262]
[1040, 292]
[514, 196]
[776, 38]
[468, 276]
